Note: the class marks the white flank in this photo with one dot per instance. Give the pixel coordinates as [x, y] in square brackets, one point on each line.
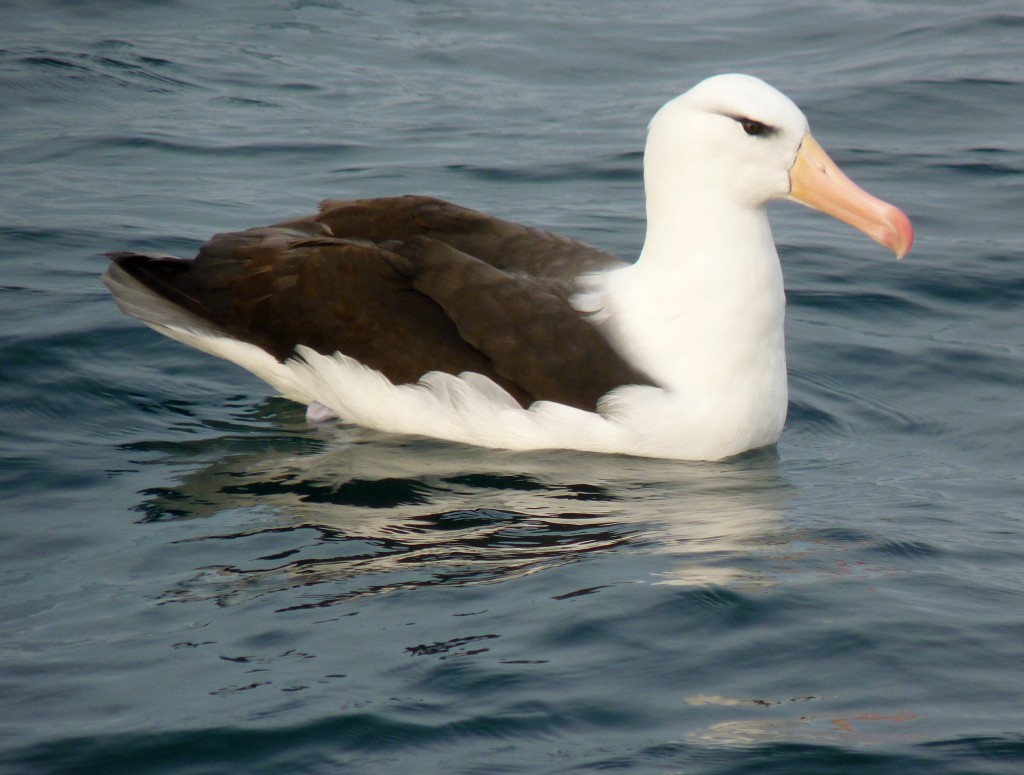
[473, 409]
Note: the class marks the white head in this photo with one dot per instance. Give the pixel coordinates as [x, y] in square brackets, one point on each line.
[735, 140]
[730, 132]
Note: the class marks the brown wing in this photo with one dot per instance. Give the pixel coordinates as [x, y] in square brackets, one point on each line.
[416, 302]
[503, 244]
[525, 325]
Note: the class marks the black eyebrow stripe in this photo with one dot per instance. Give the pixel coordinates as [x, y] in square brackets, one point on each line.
[740, 117]
[768, 128]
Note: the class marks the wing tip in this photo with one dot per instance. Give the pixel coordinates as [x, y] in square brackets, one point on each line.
[138, 300]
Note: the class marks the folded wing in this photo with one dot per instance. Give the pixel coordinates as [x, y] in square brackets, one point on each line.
[405, 285]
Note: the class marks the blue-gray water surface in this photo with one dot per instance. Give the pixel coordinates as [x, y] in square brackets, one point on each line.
[195, 581]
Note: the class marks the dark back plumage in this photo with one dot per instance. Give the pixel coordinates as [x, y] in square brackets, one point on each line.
[405, 285]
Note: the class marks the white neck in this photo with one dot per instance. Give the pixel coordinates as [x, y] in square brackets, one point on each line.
[702, 313]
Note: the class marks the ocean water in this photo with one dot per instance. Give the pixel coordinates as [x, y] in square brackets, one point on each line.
[192, 580]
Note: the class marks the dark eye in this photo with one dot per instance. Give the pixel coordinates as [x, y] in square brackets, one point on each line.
[755, 128]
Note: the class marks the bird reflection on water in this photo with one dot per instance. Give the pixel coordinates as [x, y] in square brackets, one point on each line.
[346, 512]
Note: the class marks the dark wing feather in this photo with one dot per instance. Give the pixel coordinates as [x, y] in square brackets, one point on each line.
[406, 286]
[503, 244]
[525, 325]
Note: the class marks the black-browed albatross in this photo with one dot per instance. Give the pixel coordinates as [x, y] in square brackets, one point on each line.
[413, 315]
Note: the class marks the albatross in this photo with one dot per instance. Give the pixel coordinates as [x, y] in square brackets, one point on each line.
[413, 315]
